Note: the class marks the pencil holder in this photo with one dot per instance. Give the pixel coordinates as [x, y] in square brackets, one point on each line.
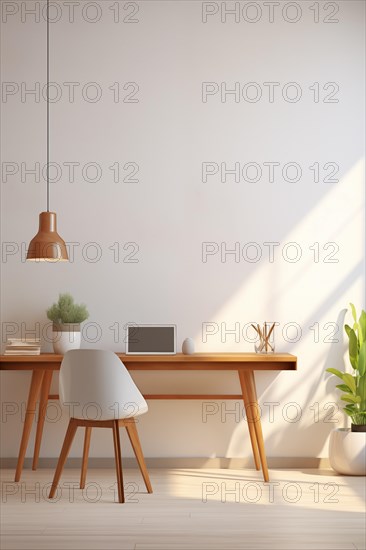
[266, 341]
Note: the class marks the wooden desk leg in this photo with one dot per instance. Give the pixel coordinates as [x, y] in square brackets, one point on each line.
[34, 389]
[45, 391]
[253, 435]
[253, 414]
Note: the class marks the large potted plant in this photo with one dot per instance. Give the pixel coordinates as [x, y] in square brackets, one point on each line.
[66, 317]
[347, 449]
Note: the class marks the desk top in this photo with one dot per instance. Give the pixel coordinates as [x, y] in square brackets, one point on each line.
[179, 361]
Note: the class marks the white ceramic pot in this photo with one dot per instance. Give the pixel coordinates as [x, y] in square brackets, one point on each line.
[188, 346]
[66, 337]
[347, 452]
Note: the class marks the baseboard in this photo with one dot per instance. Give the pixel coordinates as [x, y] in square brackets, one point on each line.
[184, 462]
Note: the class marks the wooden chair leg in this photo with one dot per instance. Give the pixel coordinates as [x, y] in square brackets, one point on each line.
[118, 458]
[136, 445]
[252, 434]
[84, 465]
[43, 401]
[71, 430]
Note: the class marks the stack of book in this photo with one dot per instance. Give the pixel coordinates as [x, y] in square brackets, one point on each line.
[23, 346]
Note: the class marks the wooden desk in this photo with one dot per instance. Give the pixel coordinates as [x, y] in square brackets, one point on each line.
[42, 367]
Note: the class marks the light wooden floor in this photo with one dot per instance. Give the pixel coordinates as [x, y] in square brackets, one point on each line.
[298, 510]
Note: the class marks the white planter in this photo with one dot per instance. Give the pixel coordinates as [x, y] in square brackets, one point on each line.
[66, 337]
[347, 452]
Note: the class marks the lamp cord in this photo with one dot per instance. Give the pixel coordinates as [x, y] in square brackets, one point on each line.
[48, 107]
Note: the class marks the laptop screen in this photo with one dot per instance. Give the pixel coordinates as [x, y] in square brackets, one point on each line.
[150, 339]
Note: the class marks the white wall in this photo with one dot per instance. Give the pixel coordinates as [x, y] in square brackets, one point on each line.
[169, 52]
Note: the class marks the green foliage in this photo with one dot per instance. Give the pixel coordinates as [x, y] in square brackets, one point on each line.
[354, 385]
[336, 372]
[353, 348]
[362, 359]
[66, 311]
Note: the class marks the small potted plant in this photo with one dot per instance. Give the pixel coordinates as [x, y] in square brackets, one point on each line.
[347, 451]
[66, 317]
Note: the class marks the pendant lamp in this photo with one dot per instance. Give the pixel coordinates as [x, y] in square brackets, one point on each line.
[47, 245]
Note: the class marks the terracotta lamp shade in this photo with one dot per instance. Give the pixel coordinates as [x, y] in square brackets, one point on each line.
[47, 245]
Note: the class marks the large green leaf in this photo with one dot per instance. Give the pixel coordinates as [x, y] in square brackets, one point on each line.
[362, 323]
[348, 329]
[354, 314]
[360, 335]
[348, 411]
[361, 390]
[361, 364]
[353, 348]
[344, 388]
[351, 398]
[349, 381]
[336, 372]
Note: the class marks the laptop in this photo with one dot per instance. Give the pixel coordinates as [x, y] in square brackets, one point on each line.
[151, 339]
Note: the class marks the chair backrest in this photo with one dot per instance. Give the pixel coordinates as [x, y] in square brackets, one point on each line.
[95, 385]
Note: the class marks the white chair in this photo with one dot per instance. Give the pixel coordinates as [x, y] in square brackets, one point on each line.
[99, 392]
